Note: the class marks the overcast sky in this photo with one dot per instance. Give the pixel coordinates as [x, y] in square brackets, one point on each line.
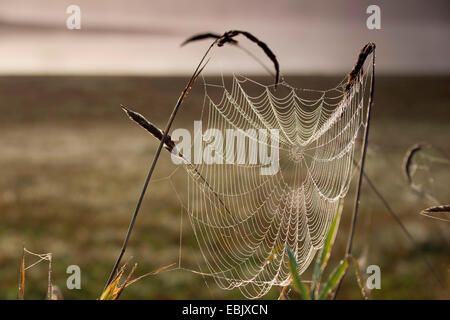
[143, 37]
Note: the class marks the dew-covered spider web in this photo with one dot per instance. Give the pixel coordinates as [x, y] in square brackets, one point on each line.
[243, 220]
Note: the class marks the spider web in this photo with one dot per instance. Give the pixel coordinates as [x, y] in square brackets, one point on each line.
[244, 220]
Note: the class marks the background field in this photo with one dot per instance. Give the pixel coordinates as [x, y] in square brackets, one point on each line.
[72, 165]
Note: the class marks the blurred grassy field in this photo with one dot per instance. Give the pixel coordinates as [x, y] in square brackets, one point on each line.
[72, 166]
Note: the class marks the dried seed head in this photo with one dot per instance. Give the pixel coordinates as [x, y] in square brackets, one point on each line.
[358, 68]
[228, 37]
[147, 125]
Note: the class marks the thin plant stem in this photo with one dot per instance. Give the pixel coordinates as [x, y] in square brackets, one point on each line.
[351, 235]
[348, 251]
[49, 278]
[194, 76]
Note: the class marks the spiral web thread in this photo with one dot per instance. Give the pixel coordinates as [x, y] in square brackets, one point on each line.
[242, 220]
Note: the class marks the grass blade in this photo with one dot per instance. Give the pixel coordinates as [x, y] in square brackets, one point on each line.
[325, 252]
[111, 289]
[298, 284]
[149, 274]
[334, 280]
[120, 288]
[359, 277]
[114, 289]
